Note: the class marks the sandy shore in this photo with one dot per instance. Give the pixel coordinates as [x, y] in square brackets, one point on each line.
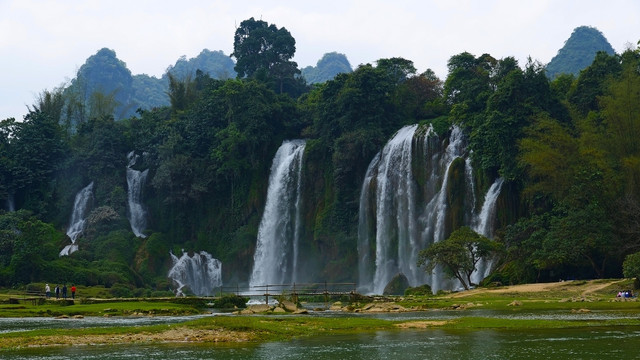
[177, 335]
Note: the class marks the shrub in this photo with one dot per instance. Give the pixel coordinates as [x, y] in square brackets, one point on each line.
[121, 291]
[631, 266]
[230, 302]
[422, 290]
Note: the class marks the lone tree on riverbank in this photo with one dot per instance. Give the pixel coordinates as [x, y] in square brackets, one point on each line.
[459, 254]
[631, 268]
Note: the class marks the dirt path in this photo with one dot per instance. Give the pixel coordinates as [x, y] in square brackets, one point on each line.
[599, 286]
[588, 287]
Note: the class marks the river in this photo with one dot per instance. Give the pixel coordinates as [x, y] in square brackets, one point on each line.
[575, 343]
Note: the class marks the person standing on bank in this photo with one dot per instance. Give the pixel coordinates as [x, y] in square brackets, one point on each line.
[73, 291]
[64, 291]
[57, 291]
[47, 290]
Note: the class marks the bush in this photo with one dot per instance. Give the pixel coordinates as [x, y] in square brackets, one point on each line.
[422, 290]
[121, 291]
[230, 302]
[631, 266]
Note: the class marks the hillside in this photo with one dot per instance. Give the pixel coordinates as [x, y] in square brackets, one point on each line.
[578, 51]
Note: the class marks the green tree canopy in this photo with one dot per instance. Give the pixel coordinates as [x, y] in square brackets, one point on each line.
[262, 48]
[459, 254]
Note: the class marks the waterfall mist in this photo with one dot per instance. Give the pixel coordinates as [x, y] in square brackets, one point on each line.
[80, 210]
[201, 273]
[276, 257]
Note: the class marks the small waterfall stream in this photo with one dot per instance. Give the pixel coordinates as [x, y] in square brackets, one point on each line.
[276, 257]
[403, 212]
[483, 225]
[135, 183]
[201, 273]
[81, 207]
[11, 205]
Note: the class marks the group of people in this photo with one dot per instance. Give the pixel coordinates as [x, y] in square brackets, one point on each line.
[47, 291]
[625, 294]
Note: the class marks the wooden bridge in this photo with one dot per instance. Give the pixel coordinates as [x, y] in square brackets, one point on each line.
[295, 290]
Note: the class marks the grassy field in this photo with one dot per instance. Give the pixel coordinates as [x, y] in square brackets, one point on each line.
[569, 297]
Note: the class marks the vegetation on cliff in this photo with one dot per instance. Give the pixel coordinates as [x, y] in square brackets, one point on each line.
[566, 148]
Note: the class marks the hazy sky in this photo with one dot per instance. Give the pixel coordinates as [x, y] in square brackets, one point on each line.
[44, 42]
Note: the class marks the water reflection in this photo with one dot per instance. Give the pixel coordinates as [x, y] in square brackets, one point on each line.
[406, 344]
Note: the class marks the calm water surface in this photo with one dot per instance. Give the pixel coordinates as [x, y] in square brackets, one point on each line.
[566, 344]
[424, 344]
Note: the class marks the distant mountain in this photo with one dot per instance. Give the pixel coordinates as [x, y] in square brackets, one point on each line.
[578, 51]
[150, 92]
[330, 65]
[124, 93]
[215, 63]
[102, 73]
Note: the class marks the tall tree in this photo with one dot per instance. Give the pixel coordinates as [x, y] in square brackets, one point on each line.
[264, 51]
[459, 254]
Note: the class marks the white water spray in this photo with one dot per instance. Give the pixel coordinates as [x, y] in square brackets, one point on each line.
[408, 216]
[276, 258]
[484, 226]
[135, 183]
[81, 206]
[201, 273]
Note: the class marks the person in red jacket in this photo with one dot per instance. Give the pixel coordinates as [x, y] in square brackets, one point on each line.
[73, 291]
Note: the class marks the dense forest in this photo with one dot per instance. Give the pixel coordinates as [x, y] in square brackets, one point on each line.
[567, 149]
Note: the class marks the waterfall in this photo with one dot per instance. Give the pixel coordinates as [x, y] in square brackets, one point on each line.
[135, 183]
[81, 206]
[201, 273]
[366, 257]
[404, 206]
[395, 210]
[276, 257]
[483, 225]
[11, 205]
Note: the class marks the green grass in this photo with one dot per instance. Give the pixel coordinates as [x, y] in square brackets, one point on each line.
[287, 327]
[477, 323]
[58, 308]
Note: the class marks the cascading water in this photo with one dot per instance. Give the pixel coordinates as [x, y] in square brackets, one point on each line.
[483, 225]
[11, 206]
[276, 258]
[402, 210]
[81, 206]
[201, 273]
[135, 183]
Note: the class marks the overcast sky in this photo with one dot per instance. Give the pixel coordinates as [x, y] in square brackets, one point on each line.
[44, 42]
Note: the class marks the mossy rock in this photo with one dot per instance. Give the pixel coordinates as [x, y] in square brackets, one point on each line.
[397, 285]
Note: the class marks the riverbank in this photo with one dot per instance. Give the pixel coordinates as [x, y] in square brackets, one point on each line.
[578, 298]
